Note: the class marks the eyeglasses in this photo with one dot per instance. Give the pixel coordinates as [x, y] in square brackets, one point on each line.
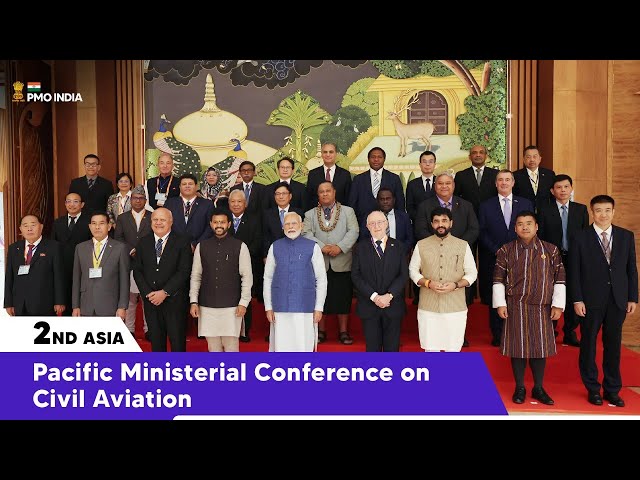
[282, 194]
[246, 170]
[72, 201]
[379, 223]
[91, 164]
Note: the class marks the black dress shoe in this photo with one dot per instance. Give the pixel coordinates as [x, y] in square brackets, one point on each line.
[571, 340]
[614, 399]
[465, 343]
[147, 336]
[495, 341]
[244, 338]
[519, 395]
[594, 398]
[266, 339]
[542, 396]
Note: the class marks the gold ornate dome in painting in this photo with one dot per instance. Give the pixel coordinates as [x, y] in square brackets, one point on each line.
[210, 126]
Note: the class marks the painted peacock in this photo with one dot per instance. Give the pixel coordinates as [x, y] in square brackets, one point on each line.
[185, 159]
[229, 168]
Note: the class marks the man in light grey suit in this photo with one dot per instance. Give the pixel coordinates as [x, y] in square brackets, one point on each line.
[334, 227]
[100, 273]
[131, 226]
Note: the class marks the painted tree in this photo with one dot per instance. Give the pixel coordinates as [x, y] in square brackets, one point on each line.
[298, 112]
[347, 123]
[358, 95]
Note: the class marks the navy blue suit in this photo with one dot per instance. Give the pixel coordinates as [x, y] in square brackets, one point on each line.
[404, 229]
[361, 197]
[197, 228]
[604, 288]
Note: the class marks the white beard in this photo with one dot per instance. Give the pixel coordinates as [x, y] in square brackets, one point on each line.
[293, 236]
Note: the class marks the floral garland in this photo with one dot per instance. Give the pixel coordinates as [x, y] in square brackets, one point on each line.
[321, 221]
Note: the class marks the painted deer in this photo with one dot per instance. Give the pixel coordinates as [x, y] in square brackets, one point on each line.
[419, 131]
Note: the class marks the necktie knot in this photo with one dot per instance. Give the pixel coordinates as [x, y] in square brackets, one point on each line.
[427, 185]
[379, 248]
[282, 217]
[72, 222]
[236, 223]
[327, 176]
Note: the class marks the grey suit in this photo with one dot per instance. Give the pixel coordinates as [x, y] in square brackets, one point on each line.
[345, 235]
[101, 297]
[127, 230]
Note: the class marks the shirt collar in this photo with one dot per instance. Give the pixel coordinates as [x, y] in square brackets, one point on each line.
[599, 230]
[245, 185]
[560, 205]
[77, 216]
[510, 197]
[372, 171]
[164, 239]
[36, 243]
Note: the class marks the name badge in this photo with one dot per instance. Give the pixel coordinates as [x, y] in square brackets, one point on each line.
[95, 272]
[24, 269]
[161, 197]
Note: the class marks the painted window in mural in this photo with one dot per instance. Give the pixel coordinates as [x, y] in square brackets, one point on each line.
[221, 112]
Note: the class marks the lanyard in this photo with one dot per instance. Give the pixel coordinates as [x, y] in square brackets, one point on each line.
[159, 186]
[99, 257]
[123, 204]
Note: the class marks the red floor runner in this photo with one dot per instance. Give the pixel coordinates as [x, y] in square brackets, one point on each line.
[562, 378]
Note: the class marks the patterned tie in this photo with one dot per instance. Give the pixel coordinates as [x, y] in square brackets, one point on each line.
[605, 246]
[281, 218]
[236, 222]
[478, 175]
[388, 226]
[534, 182]
[247, 192]
[187, 209]
[448, 205]
[376, 183]
[379, 248]
[507, 212]
[96, 254]
[72, 223]
[90, 183]
[159, 248]
[327, 213]
[427, 185]
[327, 177]
[30, 254]
[563, 217]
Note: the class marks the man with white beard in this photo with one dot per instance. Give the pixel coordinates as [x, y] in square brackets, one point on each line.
[295, 288]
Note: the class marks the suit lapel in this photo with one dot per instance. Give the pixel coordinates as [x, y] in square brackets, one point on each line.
[107, 253]
[42, 248]
[167, 247]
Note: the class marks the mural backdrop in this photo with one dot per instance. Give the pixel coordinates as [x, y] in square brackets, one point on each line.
[221, 112]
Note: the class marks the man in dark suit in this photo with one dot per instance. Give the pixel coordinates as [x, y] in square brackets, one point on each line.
[329, 172]
[604, 287]
[465, 222]
[365, 186]
[92, 188]
[478, 182]
[379, 273]
[191, 213]
[422, 187]
[161, 269]
[298, 190]
[559, 223]
[253, 192]
[532, 181]
[273, 218]
[399, 223]
[165, 185]
[100, 273]
[70, 230]
[131, 226]
[248, 228]
[497, 227]
[34, 282]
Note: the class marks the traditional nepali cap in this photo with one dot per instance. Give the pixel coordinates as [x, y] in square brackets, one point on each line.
[139, 190]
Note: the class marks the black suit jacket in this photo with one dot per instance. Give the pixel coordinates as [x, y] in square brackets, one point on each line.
[467, 186]
[127, 230]
[361, 197]
[550, 224]
[298, 196]
[152, 188]
[271, 228]
[416, 194]
[465, 222]
[96, 198]
[592, 276]
[256, 197]
[198, 227]
[341, 182]
[250, 232]
[43, 287]
[173, 271]
[523, 187]
[68, 240]
[404, 229]
[370, 274]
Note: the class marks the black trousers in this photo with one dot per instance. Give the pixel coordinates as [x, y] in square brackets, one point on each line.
[571, 320]
[168, 319]
[610, 318]
[382, 333]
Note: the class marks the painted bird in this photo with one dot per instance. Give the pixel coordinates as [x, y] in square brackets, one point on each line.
[185, 159]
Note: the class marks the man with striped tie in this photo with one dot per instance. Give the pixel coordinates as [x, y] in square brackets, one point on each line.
[604, 286]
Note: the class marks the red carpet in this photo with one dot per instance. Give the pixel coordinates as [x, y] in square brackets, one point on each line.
[562, 378]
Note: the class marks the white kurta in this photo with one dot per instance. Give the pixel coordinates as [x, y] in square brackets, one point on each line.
[221, 322]
[295, 332]
[442, 331]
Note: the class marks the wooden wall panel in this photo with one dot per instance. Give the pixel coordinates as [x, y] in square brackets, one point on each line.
[523, 84]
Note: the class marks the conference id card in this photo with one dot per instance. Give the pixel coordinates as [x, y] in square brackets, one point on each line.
[95, 272]
[24, 269]
[161, 197]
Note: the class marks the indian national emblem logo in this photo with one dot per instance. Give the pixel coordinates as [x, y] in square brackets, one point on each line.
[17, 91]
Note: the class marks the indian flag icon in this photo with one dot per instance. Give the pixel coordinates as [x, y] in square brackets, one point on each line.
[33, 87]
